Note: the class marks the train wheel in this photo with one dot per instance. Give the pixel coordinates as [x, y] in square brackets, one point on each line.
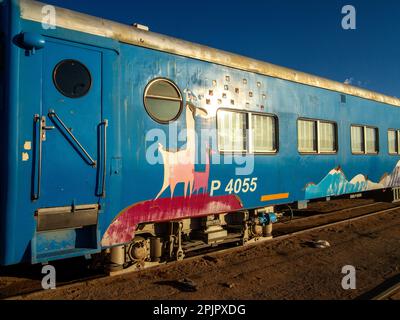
[138, 251]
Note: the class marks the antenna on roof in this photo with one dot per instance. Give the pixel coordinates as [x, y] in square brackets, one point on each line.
[140, 26]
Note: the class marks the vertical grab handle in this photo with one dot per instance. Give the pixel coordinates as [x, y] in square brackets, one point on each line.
[38, 157]
[103, 146]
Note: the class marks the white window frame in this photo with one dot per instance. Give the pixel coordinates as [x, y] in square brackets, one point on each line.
[318, 151]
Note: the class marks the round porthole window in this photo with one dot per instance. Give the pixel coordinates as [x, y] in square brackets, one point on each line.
[163, 100]
[72, 78]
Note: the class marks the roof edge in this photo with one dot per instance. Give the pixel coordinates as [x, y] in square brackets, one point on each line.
[32, 10]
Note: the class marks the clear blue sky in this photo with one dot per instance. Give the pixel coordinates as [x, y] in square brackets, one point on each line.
[302, 34]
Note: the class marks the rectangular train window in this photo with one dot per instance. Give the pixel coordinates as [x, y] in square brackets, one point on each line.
[263, 133]
[393, 141]
[364, 140]
[317, 136]
[232, 131]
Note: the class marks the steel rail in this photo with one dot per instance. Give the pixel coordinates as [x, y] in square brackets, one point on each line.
[219, 252]
[331, 213]
[388, 292]
[332, 224]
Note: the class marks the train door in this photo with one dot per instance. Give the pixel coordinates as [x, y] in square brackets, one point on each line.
[69, 166]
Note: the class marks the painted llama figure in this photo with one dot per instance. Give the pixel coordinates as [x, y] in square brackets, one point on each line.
[201, 178]
[179, 165]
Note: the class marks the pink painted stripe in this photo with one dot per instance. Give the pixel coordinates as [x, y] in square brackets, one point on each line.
[122, 229]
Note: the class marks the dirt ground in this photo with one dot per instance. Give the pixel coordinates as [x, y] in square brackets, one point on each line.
[287, 269]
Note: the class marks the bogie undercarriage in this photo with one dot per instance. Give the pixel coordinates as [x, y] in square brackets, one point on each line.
[163, 242]
[156, 243]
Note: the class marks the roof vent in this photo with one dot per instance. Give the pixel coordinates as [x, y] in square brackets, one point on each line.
[141, 26]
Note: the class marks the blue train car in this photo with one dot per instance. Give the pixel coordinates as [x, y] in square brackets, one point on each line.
[116, 139]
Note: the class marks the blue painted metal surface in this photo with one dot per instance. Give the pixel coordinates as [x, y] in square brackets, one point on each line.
[32, 41]
[65, 168]
[120, 74]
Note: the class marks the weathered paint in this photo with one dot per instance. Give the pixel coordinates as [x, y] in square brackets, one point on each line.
[179, 165]
[32, 10]
[335, 183]
[125, 71]
[123, 228]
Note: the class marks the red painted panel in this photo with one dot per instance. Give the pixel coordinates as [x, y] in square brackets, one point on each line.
[122, 229]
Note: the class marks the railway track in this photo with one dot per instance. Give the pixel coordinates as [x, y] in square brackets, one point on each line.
[282, 236]
[388, 294]
[388, 290]
[352, 218]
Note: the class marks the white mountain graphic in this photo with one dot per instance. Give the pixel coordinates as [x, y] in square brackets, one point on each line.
[336, 183]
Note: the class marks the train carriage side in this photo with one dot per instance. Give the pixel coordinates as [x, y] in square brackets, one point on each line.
[302, 142]
[108, 140]
[308, 140]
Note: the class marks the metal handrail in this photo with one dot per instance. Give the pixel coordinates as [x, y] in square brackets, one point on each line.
[52, 113]
[38, 173]
[104, 159]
